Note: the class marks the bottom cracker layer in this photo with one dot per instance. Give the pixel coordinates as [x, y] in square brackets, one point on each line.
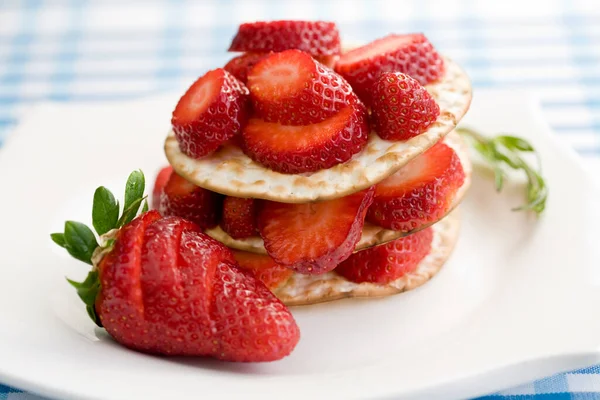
[310, 289]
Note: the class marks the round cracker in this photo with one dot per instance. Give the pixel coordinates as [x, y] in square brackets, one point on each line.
[310, 289]
[372, 235]
[231, 172]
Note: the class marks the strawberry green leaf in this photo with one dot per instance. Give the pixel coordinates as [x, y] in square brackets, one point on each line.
[134, 189]
[145, 208]
[80, 241]
[88, 291]
[59, 239]
[105, 211]
[130, 213]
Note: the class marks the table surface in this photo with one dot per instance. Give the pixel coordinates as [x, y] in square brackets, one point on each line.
[77, 50]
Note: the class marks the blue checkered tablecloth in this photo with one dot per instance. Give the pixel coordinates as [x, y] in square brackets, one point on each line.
[78, 50]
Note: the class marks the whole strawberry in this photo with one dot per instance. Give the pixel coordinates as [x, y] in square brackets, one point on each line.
[401, 108]
[160, 285]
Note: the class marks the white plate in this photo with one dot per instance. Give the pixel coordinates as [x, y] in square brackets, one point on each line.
[517, 301]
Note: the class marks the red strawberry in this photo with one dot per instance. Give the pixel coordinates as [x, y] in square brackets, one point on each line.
[162, 286]
[296, 149]
[410, 54]
[239, 217]
[386, 263]
[184, 199]
[420, 193]
[240, 65]
[313, 238]
[159, 184]
[402, 108]
[263, 268]
[317, 38]
[212, 111]
[293, 89]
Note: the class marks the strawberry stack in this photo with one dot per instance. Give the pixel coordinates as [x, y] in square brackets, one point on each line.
[320, 166]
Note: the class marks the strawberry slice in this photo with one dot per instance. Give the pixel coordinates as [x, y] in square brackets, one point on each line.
[292, 88]
[296, 149]
[159, 185]
[240, 65]
[239, 217]
[410, 54]
[313, 238]
[402, 108]
[186, 200]
[317, 38]
[263, 267]
[420, 193]
[386, 263]
[212, 111]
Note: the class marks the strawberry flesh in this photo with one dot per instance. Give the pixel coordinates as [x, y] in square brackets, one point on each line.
[411, 54]
[317, 38]
[239, 217]
[159, 184]
[263, 267]
[313, 238]
[250, 323]
[420, 193]
[386, 263]
[402, 108]
[186, 200]
[296, 149]
[292, 88]
[212, 111]
[240, 65]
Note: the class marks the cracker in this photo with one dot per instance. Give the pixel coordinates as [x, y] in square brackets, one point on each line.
[230, 171]
[372, 235]
[310, 289]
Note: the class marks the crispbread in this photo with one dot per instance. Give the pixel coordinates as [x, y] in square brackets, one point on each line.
[372, 235]
[310, 289]
[230, 171]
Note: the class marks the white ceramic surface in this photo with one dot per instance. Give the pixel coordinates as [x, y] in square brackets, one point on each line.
[517, 301]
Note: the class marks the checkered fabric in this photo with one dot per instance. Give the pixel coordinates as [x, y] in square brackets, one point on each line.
[78, 50]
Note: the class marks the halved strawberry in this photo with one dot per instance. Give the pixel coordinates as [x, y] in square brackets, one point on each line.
[239, 217]
[313, 238]
[212, 111]
[292, 88]
[186, 200]
[295, 149]
[317, 38]
[410, 54]
[402, 108]
[420, 193]
[240, 65]
[263, 267]
[159, 185]
[386, 263]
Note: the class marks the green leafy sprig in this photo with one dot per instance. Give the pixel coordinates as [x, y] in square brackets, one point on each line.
[504, 152]
[81, 242]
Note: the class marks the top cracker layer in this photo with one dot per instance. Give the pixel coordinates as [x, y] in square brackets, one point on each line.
[231, 172]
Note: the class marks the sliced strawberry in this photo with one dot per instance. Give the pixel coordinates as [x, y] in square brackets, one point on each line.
[212, 111]
[186, 200]
[313, 238]
[386, 263]
[239, 217]
[317, 38]
[402, 108]
[263, 268]
[420, 193]
[410, 54]
[296, 149]
[250, 323]
[293, 89]
[240, 65]
[159, 184]
[328, 61]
